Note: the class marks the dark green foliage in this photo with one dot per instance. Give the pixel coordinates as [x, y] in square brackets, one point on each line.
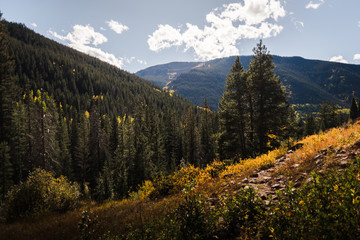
[191, 139]
[310, 125]
[354, 109]
[327, 117]
[6, 170]
[242, 214]
[8, 88]
[207, 140]
[40, 193]
[253, 110]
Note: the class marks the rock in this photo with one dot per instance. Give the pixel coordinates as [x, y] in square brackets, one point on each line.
[318, 162]
[290, 151]
[317, 156]
[245, 180]
[276, 186]
[267, 178]
[295, 165]
[281, 159]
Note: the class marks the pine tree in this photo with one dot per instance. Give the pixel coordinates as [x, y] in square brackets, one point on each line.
[64, 146]
[354, 109]
[233, 113]
[191, 139]
[206, 135]
[269, 100]
[310, 125]
[8, 89]
[6, 170]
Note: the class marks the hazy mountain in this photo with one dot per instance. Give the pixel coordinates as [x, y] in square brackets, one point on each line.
[307, 81]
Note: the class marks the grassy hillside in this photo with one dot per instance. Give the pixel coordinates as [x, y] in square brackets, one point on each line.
[307, 81]
[314, 193]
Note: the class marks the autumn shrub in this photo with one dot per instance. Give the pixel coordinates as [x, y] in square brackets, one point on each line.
[40, 193]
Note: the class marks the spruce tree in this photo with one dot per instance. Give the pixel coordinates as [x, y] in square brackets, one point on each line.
[310, 125]
[206, 135]
[354, 109]
[191, 139]
[269, 100]
[6, 170]
[8, 89]
[233, 113]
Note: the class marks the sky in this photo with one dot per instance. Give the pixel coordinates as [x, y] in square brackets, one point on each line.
[136, 34]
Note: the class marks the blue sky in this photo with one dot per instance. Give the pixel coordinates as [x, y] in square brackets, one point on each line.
[138, 34]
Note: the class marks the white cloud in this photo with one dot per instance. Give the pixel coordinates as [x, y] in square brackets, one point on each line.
[316, 5]
[164, 37]
[226, 26]
[81, 39]
[359, 24]
[117, 27]
[33, 25]
[356, 57]
[339, 59]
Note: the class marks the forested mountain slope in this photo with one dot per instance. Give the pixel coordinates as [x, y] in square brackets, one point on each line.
[72, 114]
[307, 81]
[73, 77]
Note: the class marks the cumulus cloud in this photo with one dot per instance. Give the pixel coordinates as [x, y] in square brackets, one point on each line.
[225, 27]
[315, 5]
[33, 25]
[117, 27]
[339, 59]
[356, 57]
[85, 39]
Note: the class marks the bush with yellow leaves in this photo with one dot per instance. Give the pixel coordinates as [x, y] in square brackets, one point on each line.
[40, 193]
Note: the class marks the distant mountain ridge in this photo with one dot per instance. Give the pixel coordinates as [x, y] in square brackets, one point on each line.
[307, 81]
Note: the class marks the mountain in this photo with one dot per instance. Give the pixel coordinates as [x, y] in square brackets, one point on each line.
[307, 81]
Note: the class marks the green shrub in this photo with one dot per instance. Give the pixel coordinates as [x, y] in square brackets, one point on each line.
[41, 193]
[242, 214]
[326, 208]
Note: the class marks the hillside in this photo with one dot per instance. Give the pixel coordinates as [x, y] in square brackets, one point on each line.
[73, 77]
[307, 81]
[320, 176]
